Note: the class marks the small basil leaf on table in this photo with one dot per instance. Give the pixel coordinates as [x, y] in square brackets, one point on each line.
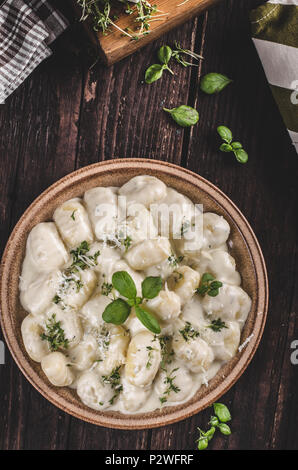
[184, 115]
[241, 155]
[214, 83]
[164, 54]
[124, 284]
[222, 412]
[236, 145]
[224, 429]
[148, 320]
[226, 147]
[225, 133]
[116, 312]
[151, 286]
[153, 73]
[202, 443]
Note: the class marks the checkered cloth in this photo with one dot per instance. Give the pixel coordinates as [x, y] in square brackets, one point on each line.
[27, 27]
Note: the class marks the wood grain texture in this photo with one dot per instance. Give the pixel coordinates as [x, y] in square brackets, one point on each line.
[66, 116]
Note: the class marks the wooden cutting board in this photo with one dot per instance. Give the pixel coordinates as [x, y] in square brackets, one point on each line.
[115, 46]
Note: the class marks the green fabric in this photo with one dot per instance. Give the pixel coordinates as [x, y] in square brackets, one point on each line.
[276, 23]
[288, 110]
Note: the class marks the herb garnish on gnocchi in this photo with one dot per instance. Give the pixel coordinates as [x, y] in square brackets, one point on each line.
[132, 297]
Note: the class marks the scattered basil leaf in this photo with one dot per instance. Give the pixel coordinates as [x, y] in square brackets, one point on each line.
[241, 155]
[202, 443]
[224, 429]
[153, 73]
[236, 145]
[148, 320]
[229, 146]
[216, 422]
[222, 412]
[151, 286]
[209, 434]
[184, 115]
[226, 147]
[213, 421]
[116, 312]
[164, 54]
[225, 133]
[214, 83]
[123, 282]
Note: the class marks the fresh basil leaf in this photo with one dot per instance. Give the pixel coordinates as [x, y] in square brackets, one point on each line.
[184, 115]
[222, 412]
[116, 312]
[164, 54]
[241, 155]
[226, 147]
[148, 320]
[213, 292]
[224, 429]
[209, 434]
[153, 73]
[124, 284]
[214, 83]
[151, 286]
[207, 277]
[236, 145]
[225, 133]
[202, 443]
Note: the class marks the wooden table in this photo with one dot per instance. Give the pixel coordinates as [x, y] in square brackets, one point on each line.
[66, 116]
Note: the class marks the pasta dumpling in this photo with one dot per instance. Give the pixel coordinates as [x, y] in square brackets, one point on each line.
[85, 353]
[36, 296]
[216, 230]
[133, 398]
[45, 248]
[221, 264]
[69, 322]
[93, 391]
[182, 383]
[31, 334]
[136, 190]
[73, 223]
[225, 342]
[166, 305]
[148, 253]
[102, 209]
[56, 367]
[113, 341]
[194, 352]
[143, 359]
[184, 282]
[232, 303]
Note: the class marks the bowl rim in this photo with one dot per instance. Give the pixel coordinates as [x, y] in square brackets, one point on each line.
[133, 422]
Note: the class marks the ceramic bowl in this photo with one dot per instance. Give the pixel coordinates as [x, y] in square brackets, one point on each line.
[245, 249]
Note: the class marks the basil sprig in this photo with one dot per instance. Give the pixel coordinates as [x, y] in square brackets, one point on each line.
[222, 416]
[165, 54]
[118, 310]
[184, 115]
[214, 83]
[209, 285]
[229, 146]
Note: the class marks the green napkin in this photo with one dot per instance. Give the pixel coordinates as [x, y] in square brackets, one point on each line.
[275, 35]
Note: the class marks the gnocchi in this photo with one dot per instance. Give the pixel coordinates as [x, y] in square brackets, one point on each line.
[147, 230]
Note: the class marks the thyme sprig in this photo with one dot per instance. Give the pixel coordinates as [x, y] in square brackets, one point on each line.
[55, 335]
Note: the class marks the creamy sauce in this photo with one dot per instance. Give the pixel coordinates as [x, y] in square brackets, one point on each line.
[145, 229]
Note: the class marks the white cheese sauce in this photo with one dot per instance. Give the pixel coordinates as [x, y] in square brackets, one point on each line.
[144, 228]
